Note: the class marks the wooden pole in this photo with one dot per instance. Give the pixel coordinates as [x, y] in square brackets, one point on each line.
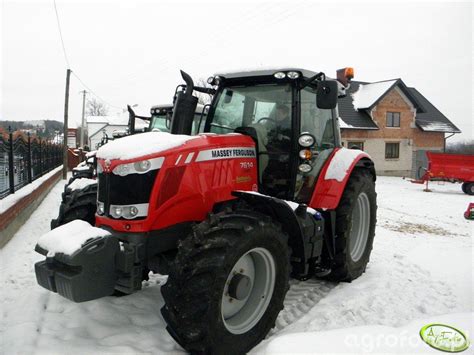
[66, 108]
[84, 92]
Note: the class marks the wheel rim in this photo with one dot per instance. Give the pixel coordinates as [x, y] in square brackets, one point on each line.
[239, 316]
[360, 227]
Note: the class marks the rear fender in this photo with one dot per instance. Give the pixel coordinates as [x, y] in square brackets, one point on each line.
[335, 174]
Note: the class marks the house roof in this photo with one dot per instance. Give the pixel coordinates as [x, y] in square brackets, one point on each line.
[432, 120]
[361, 97]
[350, 117]
[369, 94]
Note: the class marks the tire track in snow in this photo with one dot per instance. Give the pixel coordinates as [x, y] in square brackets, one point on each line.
[301, 298]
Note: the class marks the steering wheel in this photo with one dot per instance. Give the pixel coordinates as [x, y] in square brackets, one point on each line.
[267, 119]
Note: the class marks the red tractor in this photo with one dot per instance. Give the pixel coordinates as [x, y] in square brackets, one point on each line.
[265, 194]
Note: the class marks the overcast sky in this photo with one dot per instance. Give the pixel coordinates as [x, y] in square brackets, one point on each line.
[130, 52]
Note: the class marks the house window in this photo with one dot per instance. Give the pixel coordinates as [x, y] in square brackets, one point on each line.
[393, 119]
[355, 145]
[392, 150]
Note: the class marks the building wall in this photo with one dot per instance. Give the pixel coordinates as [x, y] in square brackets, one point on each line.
[97, 130]
[408, 135]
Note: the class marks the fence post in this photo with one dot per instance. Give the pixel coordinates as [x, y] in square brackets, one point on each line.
[11, 166]
[40, 158]
[28, 159]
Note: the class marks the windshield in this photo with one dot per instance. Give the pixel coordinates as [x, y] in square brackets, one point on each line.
[158, 122]
[249, 105]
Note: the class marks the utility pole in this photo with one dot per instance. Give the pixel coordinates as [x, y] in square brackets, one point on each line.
[66, 108]
[84, 92]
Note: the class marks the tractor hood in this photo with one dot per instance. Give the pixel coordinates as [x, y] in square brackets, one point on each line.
[140, 145]
[207, 146]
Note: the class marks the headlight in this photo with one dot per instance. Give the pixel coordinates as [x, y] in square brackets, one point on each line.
[305, 168]
[133, 211]
[142, 166]
[306, 140]
[129, 211]
[100, 208]
[139, 167]
[116, 211]
[279, 75]
[122, 169]
[293, 74]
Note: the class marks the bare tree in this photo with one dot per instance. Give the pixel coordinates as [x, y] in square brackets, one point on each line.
[463, 147]
[203, 99]
[96, 108]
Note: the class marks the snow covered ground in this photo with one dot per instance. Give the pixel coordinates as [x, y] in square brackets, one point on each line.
[420, 272]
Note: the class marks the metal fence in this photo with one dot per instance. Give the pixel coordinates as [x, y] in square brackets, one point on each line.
[24, 158]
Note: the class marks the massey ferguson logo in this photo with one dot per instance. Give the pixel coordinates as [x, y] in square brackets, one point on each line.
[226, 153]
[231, 153]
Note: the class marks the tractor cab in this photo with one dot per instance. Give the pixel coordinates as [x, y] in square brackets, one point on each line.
[290, 113]
[160, 120]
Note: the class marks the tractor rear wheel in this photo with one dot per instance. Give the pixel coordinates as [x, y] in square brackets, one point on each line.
[355, 227]
[468, 188]
[227, 283]
[80, 204]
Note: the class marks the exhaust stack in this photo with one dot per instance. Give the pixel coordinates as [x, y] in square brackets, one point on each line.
[184, 108]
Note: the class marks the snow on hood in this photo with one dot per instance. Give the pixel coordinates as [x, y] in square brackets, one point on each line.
[369, 93]
[69, 237]
[80, 184]
[341, 162]
[139, 145]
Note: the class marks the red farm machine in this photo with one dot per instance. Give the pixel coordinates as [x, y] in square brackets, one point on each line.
[266, 193]
[455, 168]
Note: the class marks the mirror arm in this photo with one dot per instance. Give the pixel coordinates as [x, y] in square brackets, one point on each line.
[209, 91]
[318, 76]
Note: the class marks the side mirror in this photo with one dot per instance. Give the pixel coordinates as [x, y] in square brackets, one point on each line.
[326, 94]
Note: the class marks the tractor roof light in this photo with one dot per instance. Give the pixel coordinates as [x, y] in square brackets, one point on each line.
[210, 80]
[293, 75]
[217, 80]
[306, 140]
[279, 75]
[345, 75]
[305, 168]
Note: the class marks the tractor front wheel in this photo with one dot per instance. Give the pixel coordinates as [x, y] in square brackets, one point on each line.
[79, 204]
[227, 284]
[355, 227]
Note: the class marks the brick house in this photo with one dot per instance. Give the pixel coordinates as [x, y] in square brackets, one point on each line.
[395, 124]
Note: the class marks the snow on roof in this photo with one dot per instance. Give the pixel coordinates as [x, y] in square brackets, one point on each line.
[432, 126]
[141, 144]
[368, 94]
[69, 237]
[111, 120]
[343, 124]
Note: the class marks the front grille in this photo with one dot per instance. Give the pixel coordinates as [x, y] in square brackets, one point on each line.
[130, 189]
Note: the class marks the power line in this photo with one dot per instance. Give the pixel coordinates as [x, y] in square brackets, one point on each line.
[61, 35]
[93, 93]
[67, 60]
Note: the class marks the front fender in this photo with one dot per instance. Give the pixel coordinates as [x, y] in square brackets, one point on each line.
[334, 176]
[304, 229]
